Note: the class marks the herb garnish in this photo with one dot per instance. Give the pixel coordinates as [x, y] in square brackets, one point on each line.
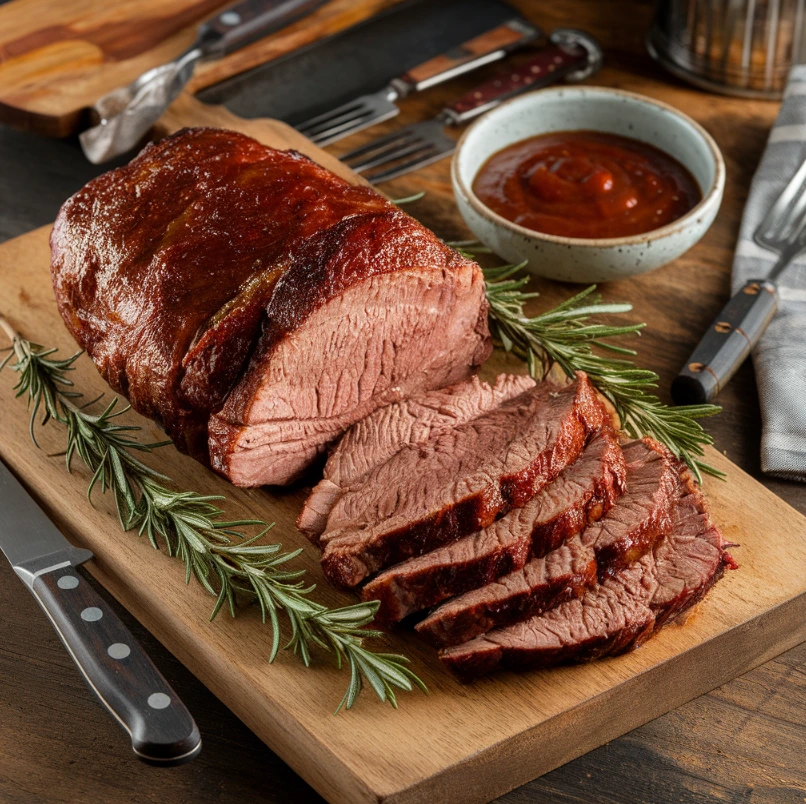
[566, 336]
[190, 526]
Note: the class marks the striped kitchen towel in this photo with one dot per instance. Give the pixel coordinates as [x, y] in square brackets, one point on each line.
[780, 357]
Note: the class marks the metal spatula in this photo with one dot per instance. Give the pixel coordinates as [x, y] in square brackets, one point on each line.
[127, 113]
[376, 107]
[742, 321]
[573, 56]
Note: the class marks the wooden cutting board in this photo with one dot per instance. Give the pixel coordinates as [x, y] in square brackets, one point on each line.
[460, 743]
[58, 58]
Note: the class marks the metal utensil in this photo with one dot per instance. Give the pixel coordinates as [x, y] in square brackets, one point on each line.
[112, 662]
[738, 327]
[573, 56]
[126, 114]
[737, 47]
[373, 108]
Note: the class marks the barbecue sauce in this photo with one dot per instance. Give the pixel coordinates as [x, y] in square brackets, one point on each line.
[586, 184]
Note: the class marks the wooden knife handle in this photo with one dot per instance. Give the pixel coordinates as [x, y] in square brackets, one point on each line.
[484, 49]
[240, 24]
[551, 64]
[117, 669]
[726, 343]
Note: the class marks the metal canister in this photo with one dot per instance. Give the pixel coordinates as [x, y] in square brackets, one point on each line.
[736, 47]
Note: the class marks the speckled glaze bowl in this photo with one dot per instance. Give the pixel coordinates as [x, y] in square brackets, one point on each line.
[572, 259]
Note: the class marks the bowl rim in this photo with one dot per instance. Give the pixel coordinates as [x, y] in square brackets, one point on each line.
[713, 194]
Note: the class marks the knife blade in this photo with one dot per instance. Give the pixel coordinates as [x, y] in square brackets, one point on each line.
[113, 663]
[367, 110]
[127, 113]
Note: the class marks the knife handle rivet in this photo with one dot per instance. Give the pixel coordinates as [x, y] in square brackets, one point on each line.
[67, 582]
[230, 18]
[159, 700]
[91, 614]
[118, 650]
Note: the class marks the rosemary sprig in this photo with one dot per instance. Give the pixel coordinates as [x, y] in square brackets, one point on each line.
[190, 526]
[567, 336]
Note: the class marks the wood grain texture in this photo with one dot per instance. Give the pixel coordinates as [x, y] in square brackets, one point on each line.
[486, 741]
[58, 58]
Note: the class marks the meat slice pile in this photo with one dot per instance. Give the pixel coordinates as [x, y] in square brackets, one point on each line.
[256, 304]
[514, 524]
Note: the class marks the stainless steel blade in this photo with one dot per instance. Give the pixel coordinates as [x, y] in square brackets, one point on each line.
[26, 533]
[350, 117]
[413, 146]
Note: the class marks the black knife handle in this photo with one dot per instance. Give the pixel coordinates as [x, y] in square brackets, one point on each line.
[726, 344]
[117, 669]
[238, 25]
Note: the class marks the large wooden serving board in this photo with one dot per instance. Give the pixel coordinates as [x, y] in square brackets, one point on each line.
[58, 58]
[459, 743]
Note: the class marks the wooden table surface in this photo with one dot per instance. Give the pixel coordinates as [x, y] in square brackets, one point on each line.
[744, 742]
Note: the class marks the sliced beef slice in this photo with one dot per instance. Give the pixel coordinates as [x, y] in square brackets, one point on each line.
[638, 519]
[542, 584]
[582, 493]
[617, 615]
[602, 622]
[376, 438]
[460, 481]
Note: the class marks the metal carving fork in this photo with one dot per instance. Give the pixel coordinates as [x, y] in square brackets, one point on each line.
[738, 327]
[572, 55]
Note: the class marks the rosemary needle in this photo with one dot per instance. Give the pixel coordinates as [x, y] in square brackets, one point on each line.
[566, 336]
[190, 526]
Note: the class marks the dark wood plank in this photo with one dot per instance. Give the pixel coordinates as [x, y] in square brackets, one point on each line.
[742, 743]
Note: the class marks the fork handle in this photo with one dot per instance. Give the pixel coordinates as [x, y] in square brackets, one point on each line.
[551, 64]
[484, 49]
[726, 343]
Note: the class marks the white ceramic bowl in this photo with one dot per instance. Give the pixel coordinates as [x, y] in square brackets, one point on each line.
[573, 259]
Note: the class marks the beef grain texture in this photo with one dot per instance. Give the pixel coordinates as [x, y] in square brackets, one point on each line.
[617, 615]
[582, 493]
[373, 440]
[460, 481]
[639, 518]
[255, 304]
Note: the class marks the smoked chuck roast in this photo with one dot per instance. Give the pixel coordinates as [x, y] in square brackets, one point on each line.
[617, 615]
[582, 493]
[589, 546]
[255, 304]
[459, 481]
[375, 439]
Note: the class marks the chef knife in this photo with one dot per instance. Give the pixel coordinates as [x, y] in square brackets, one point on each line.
[127, 113]
[367, 110]
[114, 665]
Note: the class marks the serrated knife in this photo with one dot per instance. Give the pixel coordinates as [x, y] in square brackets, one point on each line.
[114, 665]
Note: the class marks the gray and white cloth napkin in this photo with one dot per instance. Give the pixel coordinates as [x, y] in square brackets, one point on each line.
[780, 357]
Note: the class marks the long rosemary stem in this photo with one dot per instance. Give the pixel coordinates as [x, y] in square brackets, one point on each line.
[190, 526]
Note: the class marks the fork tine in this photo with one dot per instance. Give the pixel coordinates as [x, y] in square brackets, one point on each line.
[401, 134]
[432, 155]
[353, 107]
[335, 132]
[769, 232]
[391, 155]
